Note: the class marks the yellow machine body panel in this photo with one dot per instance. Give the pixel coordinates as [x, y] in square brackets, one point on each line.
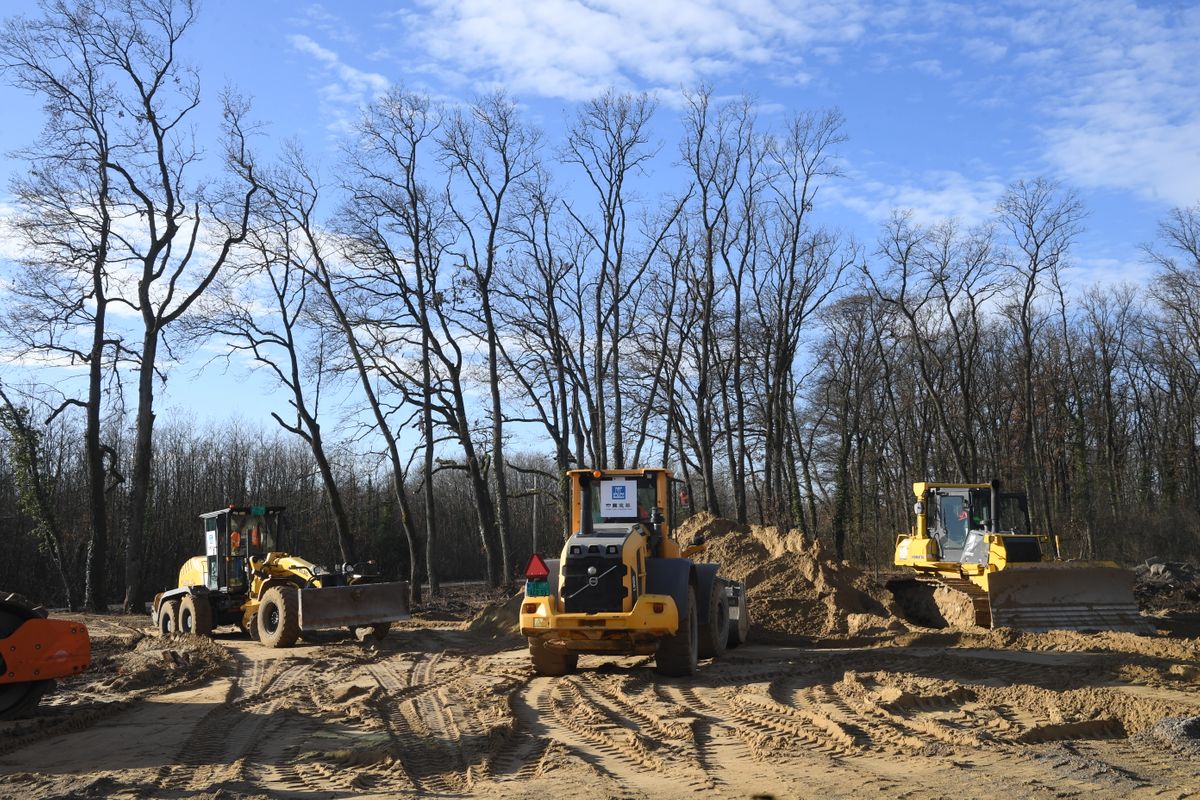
[193, 571]
[652, 617]
[978, 542]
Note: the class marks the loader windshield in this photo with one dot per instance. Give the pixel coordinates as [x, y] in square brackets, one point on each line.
[623, 500]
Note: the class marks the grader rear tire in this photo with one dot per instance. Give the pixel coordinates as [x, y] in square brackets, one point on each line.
[279, 617]
[168, 617]
[678, 654]
[195, 616]
[714, 634]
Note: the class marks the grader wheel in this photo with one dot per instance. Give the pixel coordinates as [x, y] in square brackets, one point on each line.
[195, 615]
[168, 618]
[279, 617]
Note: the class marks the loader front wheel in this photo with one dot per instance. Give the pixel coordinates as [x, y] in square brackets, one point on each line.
[678, 654]
[279, 617]
[715, 633]
[168, 617]
[551, 662]
[195, 615]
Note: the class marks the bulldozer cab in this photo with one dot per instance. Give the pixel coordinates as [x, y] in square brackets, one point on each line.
[960, 516]
[231, 536]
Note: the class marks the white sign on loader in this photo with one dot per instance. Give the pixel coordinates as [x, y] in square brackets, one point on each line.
[618, 498]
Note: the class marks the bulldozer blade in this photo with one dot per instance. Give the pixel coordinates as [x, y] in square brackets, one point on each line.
[351, 606]
[1077, 596]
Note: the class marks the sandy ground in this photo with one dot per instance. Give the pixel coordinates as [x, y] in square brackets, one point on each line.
[458, 713]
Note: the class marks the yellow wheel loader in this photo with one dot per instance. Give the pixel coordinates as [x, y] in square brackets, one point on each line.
[623, 586]
[34, 651]
[246, 578]
[974, 539]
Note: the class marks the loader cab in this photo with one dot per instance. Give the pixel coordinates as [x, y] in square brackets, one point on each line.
[231, 536]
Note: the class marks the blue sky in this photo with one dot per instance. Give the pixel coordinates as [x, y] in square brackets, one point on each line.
[945, 103]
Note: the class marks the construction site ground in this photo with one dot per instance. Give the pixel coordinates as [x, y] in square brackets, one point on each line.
[836, 696]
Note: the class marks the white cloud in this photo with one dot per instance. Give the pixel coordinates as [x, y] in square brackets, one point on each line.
[984, 50]
[938, 195]
[347, 88]
[1118, 84]
[1089, 272]
[574, 49]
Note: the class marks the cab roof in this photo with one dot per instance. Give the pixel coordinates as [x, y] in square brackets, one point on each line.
[262, 510]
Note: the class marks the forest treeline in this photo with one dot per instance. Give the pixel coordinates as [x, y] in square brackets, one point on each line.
[458, 309]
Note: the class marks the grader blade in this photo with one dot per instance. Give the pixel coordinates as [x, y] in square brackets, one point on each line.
[1077, 596]
[352, 606]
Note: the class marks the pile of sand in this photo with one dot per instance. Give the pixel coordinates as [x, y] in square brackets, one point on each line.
[157, 663]
[499, 620]
[795, 590]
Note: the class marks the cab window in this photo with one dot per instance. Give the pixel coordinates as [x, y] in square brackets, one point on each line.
[625, 500]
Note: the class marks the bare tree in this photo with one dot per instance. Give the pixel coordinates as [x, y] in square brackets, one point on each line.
[490, 150]
[1043, 220]
[265, 313]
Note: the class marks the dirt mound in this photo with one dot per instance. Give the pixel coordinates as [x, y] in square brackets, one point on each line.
[794, 588]
[1171, 586]
[158, 663]
[499, 620]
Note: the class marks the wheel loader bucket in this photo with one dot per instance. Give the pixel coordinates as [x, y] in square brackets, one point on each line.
[1078, 596]
[353, 606]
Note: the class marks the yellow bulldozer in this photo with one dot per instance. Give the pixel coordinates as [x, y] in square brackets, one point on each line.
[623, 586]
[34, 650]
[975, 540]
[247, 578]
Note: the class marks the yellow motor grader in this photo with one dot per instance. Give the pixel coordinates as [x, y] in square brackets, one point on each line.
[975, 539]
[246, 578]
[623, 586]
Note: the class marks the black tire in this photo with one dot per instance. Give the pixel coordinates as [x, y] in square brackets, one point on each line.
[19, 699]
[195, 615]
[678, 655]
[252, 627]
[279, 617]
[168, 617]
[739, 630]
[551, 662]
[714, 634]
